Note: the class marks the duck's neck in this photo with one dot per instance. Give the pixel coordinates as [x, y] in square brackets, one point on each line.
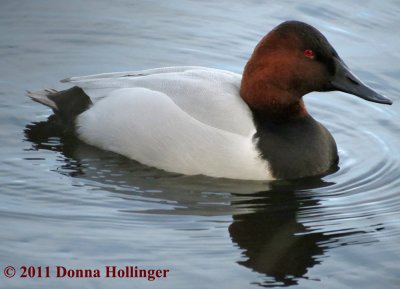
[277, 112]
[276, 97]
[292, 142]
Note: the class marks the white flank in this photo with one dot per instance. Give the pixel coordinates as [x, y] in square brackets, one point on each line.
[189, 120]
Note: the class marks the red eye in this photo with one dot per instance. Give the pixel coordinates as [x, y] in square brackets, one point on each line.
[309, 53]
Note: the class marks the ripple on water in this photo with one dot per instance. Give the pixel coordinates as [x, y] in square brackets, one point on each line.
[63, 200]
[364, 195]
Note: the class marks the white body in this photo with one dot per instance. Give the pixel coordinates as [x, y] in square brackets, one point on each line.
[188, 120]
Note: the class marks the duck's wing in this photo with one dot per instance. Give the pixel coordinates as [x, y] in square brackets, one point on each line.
[160, 70]
[210, 96]
[147, 126]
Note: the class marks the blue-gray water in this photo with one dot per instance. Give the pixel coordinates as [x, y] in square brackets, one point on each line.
[65, 203]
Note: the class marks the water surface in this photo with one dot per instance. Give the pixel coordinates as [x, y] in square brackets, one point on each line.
[66, 203]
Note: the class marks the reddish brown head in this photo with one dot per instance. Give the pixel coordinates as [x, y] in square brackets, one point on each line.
[291, 61]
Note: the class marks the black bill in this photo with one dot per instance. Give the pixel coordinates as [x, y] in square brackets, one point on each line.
[346, 81]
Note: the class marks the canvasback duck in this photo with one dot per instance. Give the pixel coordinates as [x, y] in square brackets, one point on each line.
[196, 120]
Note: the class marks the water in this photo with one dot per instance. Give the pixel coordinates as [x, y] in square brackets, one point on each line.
[65, 203]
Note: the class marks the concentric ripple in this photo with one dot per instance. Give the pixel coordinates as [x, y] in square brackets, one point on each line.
[367, 186]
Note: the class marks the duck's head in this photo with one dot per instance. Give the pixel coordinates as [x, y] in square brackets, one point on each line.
[291, 61]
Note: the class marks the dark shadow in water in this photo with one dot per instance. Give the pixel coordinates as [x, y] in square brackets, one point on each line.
[273, 241]
[265, 215]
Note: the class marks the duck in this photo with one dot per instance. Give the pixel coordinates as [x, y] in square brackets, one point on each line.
[194, 120]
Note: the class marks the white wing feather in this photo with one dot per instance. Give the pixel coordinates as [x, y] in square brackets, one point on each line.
[209, 95]
[189, 120]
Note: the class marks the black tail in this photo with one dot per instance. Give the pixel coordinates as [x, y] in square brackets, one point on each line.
[66, 104]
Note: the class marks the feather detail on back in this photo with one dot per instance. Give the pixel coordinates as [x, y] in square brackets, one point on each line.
[41, 96]
[209, 95]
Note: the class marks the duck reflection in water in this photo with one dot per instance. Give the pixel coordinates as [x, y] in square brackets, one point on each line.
[265, 225]
[273, 241]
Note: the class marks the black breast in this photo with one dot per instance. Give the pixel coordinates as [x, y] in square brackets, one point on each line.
[298, 148]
